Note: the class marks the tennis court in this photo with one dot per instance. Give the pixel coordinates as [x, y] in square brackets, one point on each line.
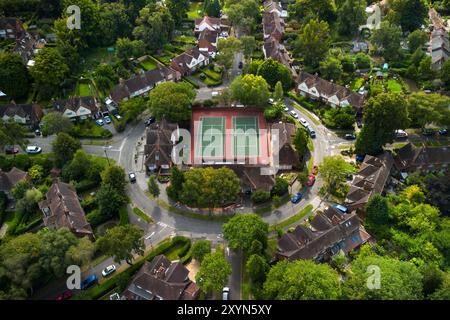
[210, 141]
[245, 140]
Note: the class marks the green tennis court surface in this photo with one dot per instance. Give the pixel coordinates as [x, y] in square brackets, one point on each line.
[210, 141]
[245, 139]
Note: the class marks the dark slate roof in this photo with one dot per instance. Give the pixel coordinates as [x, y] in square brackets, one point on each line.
[411, 156]
[62, 209]
[9, 179]
[287, 154]
[74, 103]
[158, 148]
[162, 280]
[208, 35]
[32, 112]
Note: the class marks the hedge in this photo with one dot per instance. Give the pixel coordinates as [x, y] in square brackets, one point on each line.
[123, 215]
[96, 219]
[100, 290]
[85, 185]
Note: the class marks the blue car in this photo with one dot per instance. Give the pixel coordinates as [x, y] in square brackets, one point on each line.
[296, 198]
[107, 119]
[90, 281]
[341, 208]
[359, 157]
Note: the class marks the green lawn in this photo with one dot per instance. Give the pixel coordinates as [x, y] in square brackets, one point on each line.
[394, 86]
[292, 219]
[96, 56]
[149, 64]
[185, 39]
[212, 78]
[356, 84]
[83, 89]
[194, 9]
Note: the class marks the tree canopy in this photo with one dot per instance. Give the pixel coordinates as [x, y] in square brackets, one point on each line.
[250, 90]
[14, 76]
[241, 230]
[214, 272]
[313, 42]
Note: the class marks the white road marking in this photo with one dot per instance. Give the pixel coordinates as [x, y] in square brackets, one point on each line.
[151, 235]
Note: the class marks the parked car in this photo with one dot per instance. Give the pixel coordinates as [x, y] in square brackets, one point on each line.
[132, 177]
[359, 123]
[118, 116]
[33, 149]
[315, 170]
[108, 270]
[214, 93]
[65, 295]
[360, 157]
[100, 122]
[346, 152]
[442, 131]
[107, 119]
[226, 293]
[149, 121]
[37, 132]
[11, 150]
[303, 122]
[89, 282]
[350, 136]
[241, 65]
[399, 134]
[428, 132]
[311, 180]
[271, 101]
[296, 198]
[311, 131]
[294, 114]
[286, 108]
[341, 208]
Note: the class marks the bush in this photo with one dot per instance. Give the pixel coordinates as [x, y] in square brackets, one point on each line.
[260, 196]
[95, 218]
[208, 103]
[85, 185]
[280, 187]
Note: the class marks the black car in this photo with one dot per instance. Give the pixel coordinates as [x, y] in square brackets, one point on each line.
[346, 152]
[241, 65]
[11, 150]
[149, 121]
[428, 132]
[359, 123]
[350, 136]
[37, 132]
[442, 132]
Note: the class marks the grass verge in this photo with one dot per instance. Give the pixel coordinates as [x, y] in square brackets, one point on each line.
[293, 219]
[142, 215]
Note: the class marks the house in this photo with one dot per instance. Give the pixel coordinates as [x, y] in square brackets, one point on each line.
[410, 158]
[11, 28]
[162, 279]
[370, 180]
[29, 115]
[316, 88]
[62, 209]
[439, 48]
[159, 145]
[210, 23]
[273, 25]
[141, 84]
[9, 179]
[331, 232]
[189, 61]
[272, 48]
[207, 42]
[275, 7]
[78, 107]
[287, 157]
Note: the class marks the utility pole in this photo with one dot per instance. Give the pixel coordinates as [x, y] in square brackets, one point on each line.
[106, 154]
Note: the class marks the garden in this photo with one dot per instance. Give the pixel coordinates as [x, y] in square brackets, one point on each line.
[89, 129]
[211, 75]
[195, 10]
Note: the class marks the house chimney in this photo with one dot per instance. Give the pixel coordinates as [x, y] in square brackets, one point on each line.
[161, 272]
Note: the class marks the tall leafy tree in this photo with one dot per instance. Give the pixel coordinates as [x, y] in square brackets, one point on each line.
[122, 242]
[273, 71]
[115, 177]
[333, 170]
[248, 45]
[176, 183]
[426, 108]
[351, 14]
[64, 148]
[305, 10]
[302, 280]
[313, 42]
[14, 77]
[331, 68]
[250, 90]
[278, 93]
[153, 187]
[178, 9]
[387, 40]
[409, 14]
[300, 142]
[241, 230]
[126, 48]
[377, 210]
[200, 248]
[212, 8]
[257, 268]
[417, 39]
[114, 22]
[214, 272]
[55, 122]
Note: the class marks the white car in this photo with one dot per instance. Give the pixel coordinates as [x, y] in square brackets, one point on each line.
[286, 108]
[214, 93]
[400, 134]
[108, 270]
[33, 149]
[294, 114]
[226, 293]
[303, 122]
[271, 101]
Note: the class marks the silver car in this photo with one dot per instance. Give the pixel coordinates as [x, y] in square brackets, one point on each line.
[108, 270]
[226, 293]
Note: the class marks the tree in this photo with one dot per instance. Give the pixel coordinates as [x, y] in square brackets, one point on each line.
[212, 8]
[20, 188]
[243, 14]
[383, 114]
[110, 201]
[362, 61]
[257, 267]
[409, 14]
[387, 40]
[36, 172]
[88, 33]
[28, 205]
[280, 188]
[178, 9]
[250, 90]
[113, 22]
[443, 292]
[424, 108]
[278, 94]
[377, 211]
[214, 272]
[64, 148]
[439, 192]
[274, 112]
[200, 248]
[55, 245]
[399, 280]
[172, 101]
[14, 76]
[417, 39]
[176, 183]
[78, 168]
[333, 170]
[248, 45]
[122, 242]
[300, 142]
[49, 70]
[12, 133]
[209, 188]
[55, 122]
[348, 64]
[351, 14]
[82, 252]
[301, 280]
[105, 76]
[273, 71]
[153, 187]
[241, 230]
[425, 71]
[154, 26]
[126, 48]
[331, 68]
[260, 196]
[445, 73]
[313, 42]
[115, 177]
[227, 48]
[306, 10]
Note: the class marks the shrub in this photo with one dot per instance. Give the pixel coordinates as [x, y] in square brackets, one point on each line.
[208, 103]
[260, 196]
[280, 187]
[95, 218]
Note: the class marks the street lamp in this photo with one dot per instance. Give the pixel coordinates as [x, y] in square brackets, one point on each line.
[106, 154]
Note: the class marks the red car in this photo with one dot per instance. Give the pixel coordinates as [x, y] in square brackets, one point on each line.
[315, 170]
[311, 180]
[65, 295]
